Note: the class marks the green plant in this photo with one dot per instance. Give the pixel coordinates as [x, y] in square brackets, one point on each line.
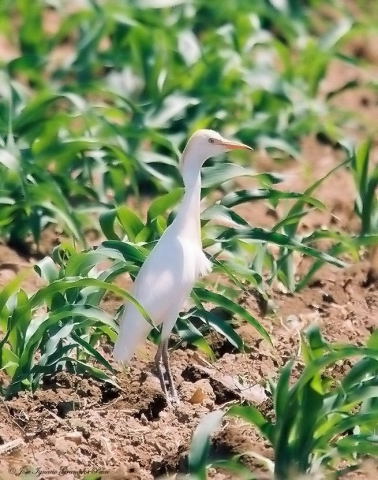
[365, 176]
[76, 129]
[72, 295]
[60, 325]
[31, 198]
[318, 422]
[239, 255]
[252, 243]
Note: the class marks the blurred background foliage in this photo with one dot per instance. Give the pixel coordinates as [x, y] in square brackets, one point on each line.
[97, 97]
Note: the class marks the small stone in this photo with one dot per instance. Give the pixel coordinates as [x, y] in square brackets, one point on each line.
[75, 437]
[198, 396]
[197, 392]
[81, 426]
[293, 321]
[62, 445]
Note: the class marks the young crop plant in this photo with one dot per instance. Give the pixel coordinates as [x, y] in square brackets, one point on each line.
[239, 253]
[62, 323]
[76, 132]
[253, 243]
[365, 175]
[31, 198]
[59, 327]
[321, 425]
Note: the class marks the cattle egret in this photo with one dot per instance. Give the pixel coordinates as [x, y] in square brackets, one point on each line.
[174, 265]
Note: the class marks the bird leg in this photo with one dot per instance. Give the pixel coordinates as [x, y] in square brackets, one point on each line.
[164, 372]
[159, 368]
[168, 371]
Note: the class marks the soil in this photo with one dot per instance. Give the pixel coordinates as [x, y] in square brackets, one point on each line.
[74, 425]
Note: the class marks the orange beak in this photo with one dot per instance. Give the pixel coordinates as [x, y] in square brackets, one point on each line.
[231, 145]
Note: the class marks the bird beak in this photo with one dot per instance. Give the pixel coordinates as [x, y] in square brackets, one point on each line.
[231, 145]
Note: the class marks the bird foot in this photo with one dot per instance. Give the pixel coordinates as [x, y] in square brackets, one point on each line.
[173, 398]
[172, 401]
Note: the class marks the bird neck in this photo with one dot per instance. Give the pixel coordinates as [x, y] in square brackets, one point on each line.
[188, 215]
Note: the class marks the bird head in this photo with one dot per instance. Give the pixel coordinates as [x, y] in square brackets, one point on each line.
[204, 144]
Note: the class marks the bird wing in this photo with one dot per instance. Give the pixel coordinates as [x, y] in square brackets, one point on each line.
[163, 273]
[161, 287]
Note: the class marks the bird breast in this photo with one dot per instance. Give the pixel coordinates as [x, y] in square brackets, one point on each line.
[203, 264]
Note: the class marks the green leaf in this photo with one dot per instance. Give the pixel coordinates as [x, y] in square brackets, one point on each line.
[107, 224]
[261, 234]
[336, 354]
[47, 269]
[316, 343]
[242, 196]
[92, 351]
[130, 252]
[222, 327]
[129, 221]
[281, 392]
[217, 299]
[253, 416]
[335, 34]
[358, 444]
[9, 360]
[65, 284]
[222, 172]
[359, 371]
[163, 203]
[10, 289]
[221, 213]
[298, 205]
[82, 367]
[9, 160]
[80, 264]
[200, 446]
[51, 345]
[173, 106]
[348, 423]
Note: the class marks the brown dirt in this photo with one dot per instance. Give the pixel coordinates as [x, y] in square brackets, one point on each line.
[75, 425]
[78, 425]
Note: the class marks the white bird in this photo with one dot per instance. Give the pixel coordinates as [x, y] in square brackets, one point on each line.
[169, 273]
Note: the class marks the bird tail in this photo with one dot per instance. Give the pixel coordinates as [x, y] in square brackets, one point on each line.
[134, 329]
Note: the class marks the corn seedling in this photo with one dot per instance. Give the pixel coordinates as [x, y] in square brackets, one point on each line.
[122, 224]
[78, 134]
[318, 421]
[286, 234]
[366, 180]
[60, 325]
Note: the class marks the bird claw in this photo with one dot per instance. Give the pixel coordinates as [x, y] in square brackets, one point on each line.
[173, 398]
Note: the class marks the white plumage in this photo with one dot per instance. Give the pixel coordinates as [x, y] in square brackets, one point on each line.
[169, 273]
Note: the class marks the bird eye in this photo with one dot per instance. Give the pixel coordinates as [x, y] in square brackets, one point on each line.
[211, 140]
